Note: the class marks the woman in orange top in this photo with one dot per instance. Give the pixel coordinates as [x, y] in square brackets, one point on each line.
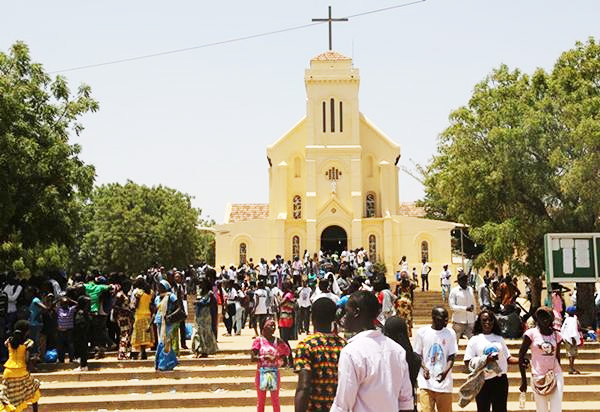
[21, 388]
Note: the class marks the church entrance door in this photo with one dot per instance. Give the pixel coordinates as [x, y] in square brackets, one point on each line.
[334, 239]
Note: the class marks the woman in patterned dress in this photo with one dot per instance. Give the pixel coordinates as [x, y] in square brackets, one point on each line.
[404, 309]
[21, 388]
[204, 342]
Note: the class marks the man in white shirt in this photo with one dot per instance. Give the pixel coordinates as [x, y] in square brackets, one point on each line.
[261, 305]
[13, 291]
[425, 269]
[436, 344]
[304, 305]
[372, 368]
[323, 292]
[462, 303]
[445, 276]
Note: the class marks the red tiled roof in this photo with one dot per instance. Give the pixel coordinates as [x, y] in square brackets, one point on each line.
[330, 55]
[242, 212]
[411, 209]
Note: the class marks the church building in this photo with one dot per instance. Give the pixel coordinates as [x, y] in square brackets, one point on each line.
[333, 185]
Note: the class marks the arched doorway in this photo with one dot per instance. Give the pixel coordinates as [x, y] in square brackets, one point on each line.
[334, 239]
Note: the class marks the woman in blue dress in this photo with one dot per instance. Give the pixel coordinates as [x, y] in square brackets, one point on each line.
[168, 336]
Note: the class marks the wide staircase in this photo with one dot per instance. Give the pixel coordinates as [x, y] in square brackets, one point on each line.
[226, 381]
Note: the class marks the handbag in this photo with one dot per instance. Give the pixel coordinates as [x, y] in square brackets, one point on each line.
[176, 315]
[269, 379]
[546, 384]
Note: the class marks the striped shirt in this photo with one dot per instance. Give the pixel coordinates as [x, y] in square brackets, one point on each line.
[65, 317]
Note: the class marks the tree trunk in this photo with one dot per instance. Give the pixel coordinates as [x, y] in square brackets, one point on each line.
[585, 304]
[536, 292]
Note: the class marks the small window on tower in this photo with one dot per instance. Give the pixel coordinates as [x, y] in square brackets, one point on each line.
[296, 246]
[371, 205]
[372, 248]
[332, 104]
[297, 207]
[324, 117]
[297, 167]
[341, 118]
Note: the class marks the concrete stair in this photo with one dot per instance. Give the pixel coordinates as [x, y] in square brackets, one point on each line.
[225, 382]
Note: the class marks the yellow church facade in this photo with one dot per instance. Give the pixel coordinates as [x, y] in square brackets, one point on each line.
[333, 185]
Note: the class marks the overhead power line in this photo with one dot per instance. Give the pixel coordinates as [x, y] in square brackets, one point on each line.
[222, 42]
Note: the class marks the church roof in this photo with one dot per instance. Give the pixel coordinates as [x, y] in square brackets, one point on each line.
[330, 55]
[242, 212]
[411, 209]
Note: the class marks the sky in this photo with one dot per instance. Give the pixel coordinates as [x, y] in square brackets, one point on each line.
[199, 121]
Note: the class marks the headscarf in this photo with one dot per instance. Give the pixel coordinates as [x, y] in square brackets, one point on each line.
[267, 322]
[165, 284]
[163, 308]
[571, 310]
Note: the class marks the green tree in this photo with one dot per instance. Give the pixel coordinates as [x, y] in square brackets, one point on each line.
[42, 179]
[522, 159]
[129, 227]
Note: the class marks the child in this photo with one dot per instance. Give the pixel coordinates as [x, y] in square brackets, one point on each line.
[21, 388]
[415, 276]
[571, 337]
[65, 317]
[81, 331]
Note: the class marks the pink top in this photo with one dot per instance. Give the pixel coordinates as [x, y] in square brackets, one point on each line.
[274, 353]
[543, 352]
[557, 305]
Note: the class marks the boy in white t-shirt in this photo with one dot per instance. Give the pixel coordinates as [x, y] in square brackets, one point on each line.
[304, 305]
[445, 276]
[571, 337]
[437, 346]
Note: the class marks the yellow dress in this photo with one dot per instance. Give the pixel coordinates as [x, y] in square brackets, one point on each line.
[21, 388]
[142, 332]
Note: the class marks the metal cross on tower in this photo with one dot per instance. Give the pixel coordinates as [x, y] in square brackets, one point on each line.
[330, 20]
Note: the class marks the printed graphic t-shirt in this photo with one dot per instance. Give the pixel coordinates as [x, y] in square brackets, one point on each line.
[435, 346]
[481, 344]
[543, 352]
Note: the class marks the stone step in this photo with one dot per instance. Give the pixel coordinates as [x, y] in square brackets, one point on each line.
[585, 357]
[175, 399]
[229, 383]
[590, 370]
[587, 406]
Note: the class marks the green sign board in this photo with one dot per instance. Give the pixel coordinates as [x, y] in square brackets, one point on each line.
[572, 257]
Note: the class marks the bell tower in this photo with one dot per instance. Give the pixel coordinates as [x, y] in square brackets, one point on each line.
[332, 101]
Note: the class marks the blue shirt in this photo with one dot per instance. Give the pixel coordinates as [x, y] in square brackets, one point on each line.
[35, 318]
[172, 300]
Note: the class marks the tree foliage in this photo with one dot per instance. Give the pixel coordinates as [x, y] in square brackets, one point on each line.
[130, 227]
[522, 159]
[42, 179]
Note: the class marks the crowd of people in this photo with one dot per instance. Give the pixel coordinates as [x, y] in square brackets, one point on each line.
[361, 330]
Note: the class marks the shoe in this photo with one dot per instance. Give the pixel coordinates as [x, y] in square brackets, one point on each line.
[81, 369]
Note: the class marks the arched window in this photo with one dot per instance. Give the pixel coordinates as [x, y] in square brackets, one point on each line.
[372, 248]
[425, 251]
[296, 246]
[341, 118]
[332, 106]
[371, 205]
[297, 207]
[297, 167]
[243, 251]
[324, 117]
